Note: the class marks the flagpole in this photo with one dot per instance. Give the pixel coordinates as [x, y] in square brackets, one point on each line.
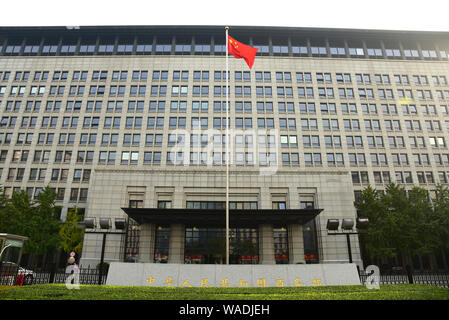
[226, 150]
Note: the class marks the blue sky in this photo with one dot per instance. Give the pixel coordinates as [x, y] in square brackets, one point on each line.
[429, 15]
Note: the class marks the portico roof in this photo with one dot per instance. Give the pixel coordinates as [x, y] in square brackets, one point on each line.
[217, 217]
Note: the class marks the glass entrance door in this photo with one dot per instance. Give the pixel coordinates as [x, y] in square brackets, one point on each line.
[208, 246]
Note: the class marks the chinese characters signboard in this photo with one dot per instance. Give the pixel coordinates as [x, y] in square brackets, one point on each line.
[187, 275]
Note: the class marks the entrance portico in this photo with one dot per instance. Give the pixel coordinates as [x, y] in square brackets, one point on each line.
[252, 233]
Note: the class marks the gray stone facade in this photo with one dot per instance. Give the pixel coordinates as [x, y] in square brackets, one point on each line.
[332, 191]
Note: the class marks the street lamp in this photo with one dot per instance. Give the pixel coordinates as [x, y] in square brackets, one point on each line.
[105, 225]
[346, 229]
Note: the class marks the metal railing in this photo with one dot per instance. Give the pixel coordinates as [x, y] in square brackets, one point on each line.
[12, 275]
[433, 278]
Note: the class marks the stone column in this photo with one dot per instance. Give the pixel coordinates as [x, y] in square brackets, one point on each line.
[265, 198]
[295, 244]
[147, 241]
[178, 197]
[176, 243]
[266, 244]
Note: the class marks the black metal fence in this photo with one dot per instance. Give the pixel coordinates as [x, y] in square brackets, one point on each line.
[12, 275]
[433, 278]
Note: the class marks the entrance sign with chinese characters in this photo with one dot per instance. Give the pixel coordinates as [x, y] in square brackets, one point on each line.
[209, 275]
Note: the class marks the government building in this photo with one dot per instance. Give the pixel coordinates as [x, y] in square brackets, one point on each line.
[128, 123]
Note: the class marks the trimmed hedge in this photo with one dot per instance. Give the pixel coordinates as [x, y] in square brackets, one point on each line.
[95, 292]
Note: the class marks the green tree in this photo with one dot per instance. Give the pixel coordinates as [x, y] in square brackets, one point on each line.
[402, 219]
[377, 238]
[70, 233]
[44, 224]
[4, 222]
[434, 231]
[441, 207]
[38, 220]
[16, 213]
[421, 226]
[406, 224]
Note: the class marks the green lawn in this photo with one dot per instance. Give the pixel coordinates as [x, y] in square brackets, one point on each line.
[94, 292]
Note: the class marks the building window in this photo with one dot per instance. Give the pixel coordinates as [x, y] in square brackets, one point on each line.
[310, 236]
[279, 205]
[208, 246]
[164, 204]
[74, 194]
[280, 245]
[132, 235]
[162, 242]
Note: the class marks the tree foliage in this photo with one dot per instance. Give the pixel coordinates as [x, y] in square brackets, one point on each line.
[36, 219]
[377, 238]
[70, 233]
[404, 223]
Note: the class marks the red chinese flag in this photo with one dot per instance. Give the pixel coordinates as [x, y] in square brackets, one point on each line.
[240, 50]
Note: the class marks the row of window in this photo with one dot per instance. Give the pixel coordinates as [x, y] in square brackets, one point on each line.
[38, 174]
[76, 194]
[219, 106]
[383, 177]
[263, 141]
[158, 75]
[286, 140]
[233, 205]
[220, 91]
[219, 158]
[151, 139]
[220, 123]
[221, 205]
[148, 48]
